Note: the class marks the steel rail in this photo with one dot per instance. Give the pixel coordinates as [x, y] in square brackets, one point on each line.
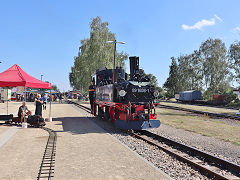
[201, 112]
[46, 169]
[81, 106]
[201, 105]
[183, 150]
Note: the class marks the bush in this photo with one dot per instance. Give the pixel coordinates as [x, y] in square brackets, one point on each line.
[228, 95]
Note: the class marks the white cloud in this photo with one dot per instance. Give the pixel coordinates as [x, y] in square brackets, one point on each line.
[202, 23]
[217, 17]
[236, 29]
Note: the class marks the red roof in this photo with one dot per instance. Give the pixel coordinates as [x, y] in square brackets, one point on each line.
[15, 76]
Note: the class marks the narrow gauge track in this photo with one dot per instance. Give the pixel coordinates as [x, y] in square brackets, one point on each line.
[203, 161]
[201, 112]
[46, 170]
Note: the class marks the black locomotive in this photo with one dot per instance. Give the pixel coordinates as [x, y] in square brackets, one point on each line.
[127, 100]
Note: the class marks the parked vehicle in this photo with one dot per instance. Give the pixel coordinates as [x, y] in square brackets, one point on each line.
[188, 96]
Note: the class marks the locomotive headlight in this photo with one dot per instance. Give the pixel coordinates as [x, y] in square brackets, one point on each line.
[122, 93]
[156, 93]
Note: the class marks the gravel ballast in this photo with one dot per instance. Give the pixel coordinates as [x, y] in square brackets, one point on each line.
[225, 150]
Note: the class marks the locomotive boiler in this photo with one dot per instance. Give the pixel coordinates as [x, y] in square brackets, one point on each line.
[127, 100]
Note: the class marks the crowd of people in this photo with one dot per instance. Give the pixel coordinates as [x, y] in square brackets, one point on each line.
[40, 102]
[30, 97]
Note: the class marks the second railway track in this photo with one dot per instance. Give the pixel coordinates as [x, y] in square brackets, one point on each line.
[213, 166]
[210, 114]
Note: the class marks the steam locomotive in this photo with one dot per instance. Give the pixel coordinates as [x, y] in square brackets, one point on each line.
[128, 102]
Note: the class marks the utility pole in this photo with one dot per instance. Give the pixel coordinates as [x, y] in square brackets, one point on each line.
[114, 56]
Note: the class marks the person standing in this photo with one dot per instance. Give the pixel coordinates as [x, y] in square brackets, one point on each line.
[45, 101]
[91, 94]
[38, 102]
[60, 98]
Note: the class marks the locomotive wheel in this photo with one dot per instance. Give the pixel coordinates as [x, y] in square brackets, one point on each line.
[100, 112]
[107, 113]
[112, 114]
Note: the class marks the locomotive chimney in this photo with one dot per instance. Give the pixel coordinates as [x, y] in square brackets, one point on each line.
[134, 65]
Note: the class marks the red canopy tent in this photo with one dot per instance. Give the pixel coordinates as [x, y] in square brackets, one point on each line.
[15, 76]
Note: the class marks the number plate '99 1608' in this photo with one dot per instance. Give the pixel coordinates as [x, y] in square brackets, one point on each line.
[140, 90]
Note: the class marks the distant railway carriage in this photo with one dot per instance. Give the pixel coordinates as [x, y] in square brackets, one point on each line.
[128, 103]
[190, 95]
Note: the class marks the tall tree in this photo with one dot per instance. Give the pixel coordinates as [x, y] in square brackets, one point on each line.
[152, 78]
[214, 63]
[234, 58]
[93, 54]
[195, 67]
[171, 83]
[184, 73]
[54, 87]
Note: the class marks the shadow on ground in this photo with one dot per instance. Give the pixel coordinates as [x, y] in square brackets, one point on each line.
[78, 125]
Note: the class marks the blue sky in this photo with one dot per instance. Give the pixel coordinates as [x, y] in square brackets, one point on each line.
[42, 37]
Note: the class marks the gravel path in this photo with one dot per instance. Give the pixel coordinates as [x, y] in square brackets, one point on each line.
[212, 145]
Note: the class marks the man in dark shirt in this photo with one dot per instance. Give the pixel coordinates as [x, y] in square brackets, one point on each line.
[38, 102]
[91, 94]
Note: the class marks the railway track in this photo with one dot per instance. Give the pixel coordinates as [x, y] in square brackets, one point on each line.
[206, 163]
[80, 106]
[210, 114]
[46, 170]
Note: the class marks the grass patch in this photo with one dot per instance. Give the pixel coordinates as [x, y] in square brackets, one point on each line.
[200, 124]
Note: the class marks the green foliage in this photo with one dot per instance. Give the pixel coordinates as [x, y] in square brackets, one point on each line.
[162, 94]
[54, 87]
[94, 53]
[234, 58]
[172, 83]
[215, 65]
[153, 79]
[229, 97]
[153, 82]
[206, 68]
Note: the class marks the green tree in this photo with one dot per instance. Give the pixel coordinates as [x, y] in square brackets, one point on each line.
[215, 66]
[153, 82]
[54, 87]
[172, 84]
[93, 54]
[184, 73]
[234, 58]
[196, 73]
[152, 78]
